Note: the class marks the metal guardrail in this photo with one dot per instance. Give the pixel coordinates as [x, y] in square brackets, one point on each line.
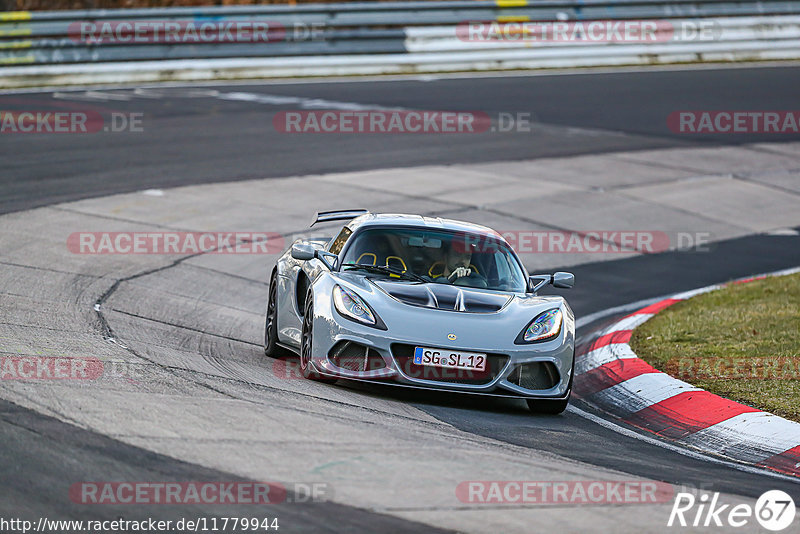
[326, 29]
[39, 48]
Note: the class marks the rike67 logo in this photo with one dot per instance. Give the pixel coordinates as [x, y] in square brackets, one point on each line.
[774, 510]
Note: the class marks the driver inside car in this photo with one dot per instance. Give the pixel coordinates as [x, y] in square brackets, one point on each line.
[456, 265]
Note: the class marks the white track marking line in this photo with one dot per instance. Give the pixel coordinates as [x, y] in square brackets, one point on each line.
[151, 92]
[682, 450]
[783, 231]
[99, 95]
[319, 103]
[236, 96]
[143, 93]
[92, 96]
[302, 102]
[275, 100]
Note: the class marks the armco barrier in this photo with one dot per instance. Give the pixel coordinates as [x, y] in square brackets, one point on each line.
[386, 37]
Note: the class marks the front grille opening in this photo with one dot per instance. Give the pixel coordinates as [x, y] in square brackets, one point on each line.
[404, 357]
[535, 375]
[355, 357]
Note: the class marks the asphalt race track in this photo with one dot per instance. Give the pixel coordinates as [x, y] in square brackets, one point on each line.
[207, 404]
[191, 139]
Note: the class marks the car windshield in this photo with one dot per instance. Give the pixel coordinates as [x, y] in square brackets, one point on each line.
[437, 256]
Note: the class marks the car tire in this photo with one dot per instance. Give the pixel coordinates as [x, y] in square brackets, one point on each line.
[548, 407]
[553, 407]
[271, 347]
[307, 341]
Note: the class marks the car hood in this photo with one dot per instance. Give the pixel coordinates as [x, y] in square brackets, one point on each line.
[444, 296]
[502, 318]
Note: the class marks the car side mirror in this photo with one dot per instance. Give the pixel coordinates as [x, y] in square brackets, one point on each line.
[303, 252]
[537, 282]
[563, 280]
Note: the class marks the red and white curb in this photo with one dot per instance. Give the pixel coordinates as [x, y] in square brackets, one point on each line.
[611, 377]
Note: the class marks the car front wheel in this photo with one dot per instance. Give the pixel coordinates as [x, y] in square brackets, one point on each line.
[271, 347]
[553, 407]
[307, 342]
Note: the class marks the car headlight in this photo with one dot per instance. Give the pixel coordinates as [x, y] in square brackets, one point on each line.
[353, 307]
[546, 325]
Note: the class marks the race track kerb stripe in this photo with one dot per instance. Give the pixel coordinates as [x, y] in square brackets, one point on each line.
[620, 336]
[611, 374]
[786, 462]
[686, 413]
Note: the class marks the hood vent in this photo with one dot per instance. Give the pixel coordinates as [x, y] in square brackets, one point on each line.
[444, 297]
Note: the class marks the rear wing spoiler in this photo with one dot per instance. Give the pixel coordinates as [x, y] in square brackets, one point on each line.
[337, 215]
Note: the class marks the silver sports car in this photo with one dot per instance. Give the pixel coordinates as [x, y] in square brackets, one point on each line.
[422, 302]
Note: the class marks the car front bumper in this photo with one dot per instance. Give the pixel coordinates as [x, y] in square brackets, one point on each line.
[386, 352]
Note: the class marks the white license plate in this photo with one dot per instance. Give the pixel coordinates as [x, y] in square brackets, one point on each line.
[451, 359]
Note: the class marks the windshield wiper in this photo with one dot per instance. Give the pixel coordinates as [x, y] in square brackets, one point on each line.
[383, 269]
